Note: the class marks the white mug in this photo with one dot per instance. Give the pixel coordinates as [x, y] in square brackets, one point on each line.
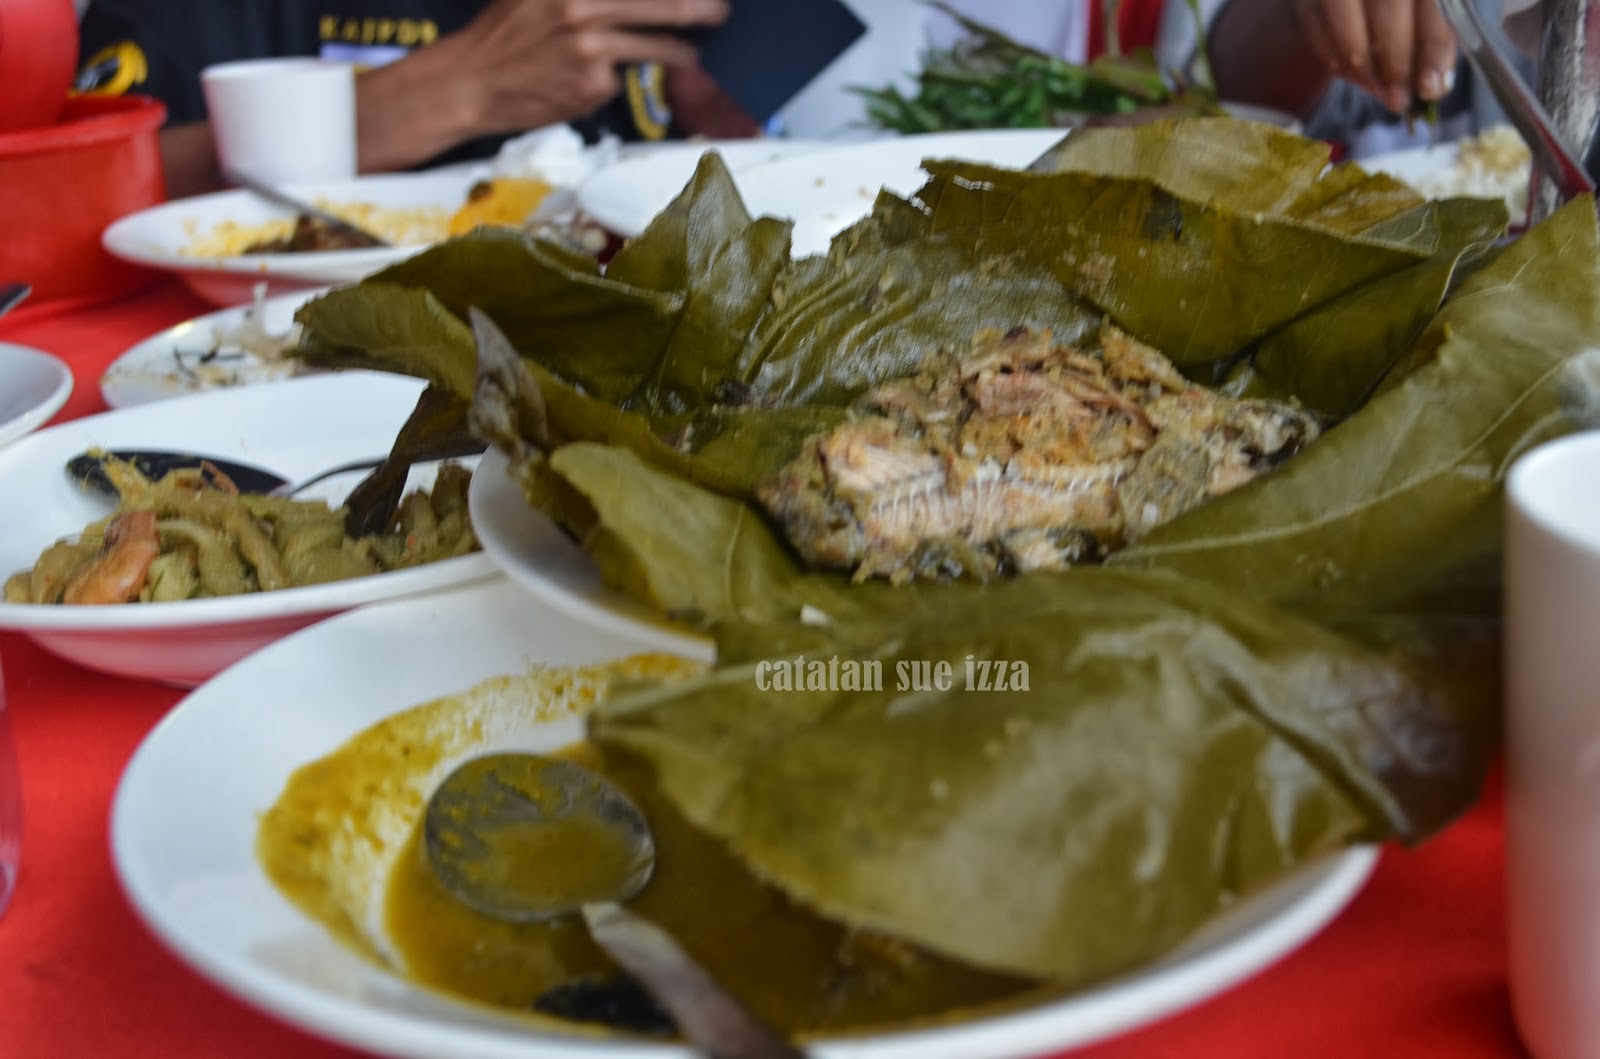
[285, 120]
[1552, 721]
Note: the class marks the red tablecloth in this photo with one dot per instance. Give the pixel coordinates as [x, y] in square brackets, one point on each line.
[1415, 967]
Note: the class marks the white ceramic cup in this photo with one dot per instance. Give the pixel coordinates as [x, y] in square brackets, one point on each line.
[283, 121]
[1552, 719]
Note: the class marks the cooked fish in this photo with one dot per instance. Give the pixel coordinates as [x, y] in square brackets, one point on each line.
[1022, 455]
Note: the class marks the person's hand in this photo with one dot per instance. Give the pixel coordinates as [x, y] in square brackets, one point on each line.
[521, 64]
[1396, 49]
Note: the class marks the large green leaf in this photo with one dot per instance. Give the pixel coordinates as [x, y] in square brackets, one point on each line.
[1244, 166]
[1332, 359]
[1225, 277]
[1175, 749]
[706, 302]
[1402, 499]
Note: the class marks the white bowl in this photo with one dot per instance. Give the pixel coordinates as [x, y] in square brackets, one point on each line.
[297, 428]
[33, 387]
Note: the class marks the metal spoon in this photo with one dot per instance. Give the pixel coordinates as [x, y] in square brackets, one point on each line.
[11, 294]
[283, 198]
[88, 468]
[496, 820]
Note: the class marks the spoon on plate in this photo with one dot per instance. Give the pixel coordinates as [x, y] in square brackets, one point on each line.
[525, 838]
[364, 236]
[88, 468]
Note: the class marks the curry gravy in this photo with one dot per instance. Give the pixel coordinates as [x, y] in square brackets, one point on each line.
[343, 842]
[795, 970]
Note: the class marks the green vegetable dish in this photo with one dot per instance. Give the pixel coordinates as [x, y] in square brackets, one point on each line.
[989, 81]
[1265, 673]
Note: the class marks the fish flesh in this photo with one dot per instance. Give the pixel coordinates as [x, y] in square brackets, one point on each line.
[1022, 455]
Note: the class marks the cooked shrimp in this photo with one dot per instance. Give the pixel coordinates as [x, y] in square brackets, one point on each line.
[118, 573]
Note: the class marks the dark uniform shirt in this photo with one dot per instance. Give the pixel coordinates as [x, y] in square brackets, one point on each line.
[159, 47]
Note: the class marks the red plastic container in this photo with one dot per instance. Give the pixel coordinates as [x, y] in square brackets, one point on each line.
[63, 183]
[38, 50]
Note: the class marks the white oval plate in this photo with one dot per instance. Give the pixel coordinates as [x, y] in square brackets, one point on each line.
[535, 553]
[626, 196]
[184, 821]
[158, 237]
[189, 357]
[826, 191]
[33, 387]
[1414, 165]
[1432, 171]
[296, 428]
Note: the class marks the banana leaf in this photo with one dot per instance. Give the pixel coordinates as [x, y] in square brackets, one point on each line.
[701, 306]
[1176, 748]
[1312, 359]
[1401, 500]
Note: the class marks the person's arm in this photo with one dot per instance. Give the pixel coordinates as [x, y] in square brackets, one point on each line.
[520, 64]
[189, 157]
[1259, 54]
[411, 110]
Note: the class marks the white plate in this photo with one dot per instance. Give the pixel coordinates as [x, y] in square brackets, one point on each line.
[626, 196]
[1432, 171]
[159, 236]
[826, 191]
[184, 821]
[535, 553]
[1414, 165]
[296, 428]
[173, 362]
[33, 387]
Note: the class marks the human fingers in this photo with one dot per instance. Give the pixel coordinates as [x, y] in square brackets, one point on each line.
[648, 12]
[1391, 41]
[1435, 62]
[1345, 22]
[620, 46]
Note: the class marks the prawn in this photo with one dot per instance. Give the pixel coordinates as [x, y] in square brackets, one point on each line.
[117, 575]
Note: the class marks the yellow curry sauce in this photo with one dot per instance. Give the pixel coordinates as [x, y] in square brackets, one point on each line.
[344, 843]
[794, 969]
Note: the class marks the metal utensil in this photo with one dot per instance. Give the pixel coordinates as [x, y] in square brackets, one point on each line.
[496, 821]
[1552, 152]
[1569, 88]
[283, 198]
[11, 294]
[89, 469]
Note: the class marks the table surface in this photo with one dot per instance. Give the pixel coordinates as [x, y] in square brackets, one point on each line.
[1414, 967]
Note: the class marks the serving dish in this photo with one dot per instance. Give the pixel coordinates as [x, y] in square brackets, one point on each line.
[626, 195]
[1447, 169]
[184, 819]
[33, 387]
[161, 237]
[296, 428]
[537, 556]
[202, 354]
